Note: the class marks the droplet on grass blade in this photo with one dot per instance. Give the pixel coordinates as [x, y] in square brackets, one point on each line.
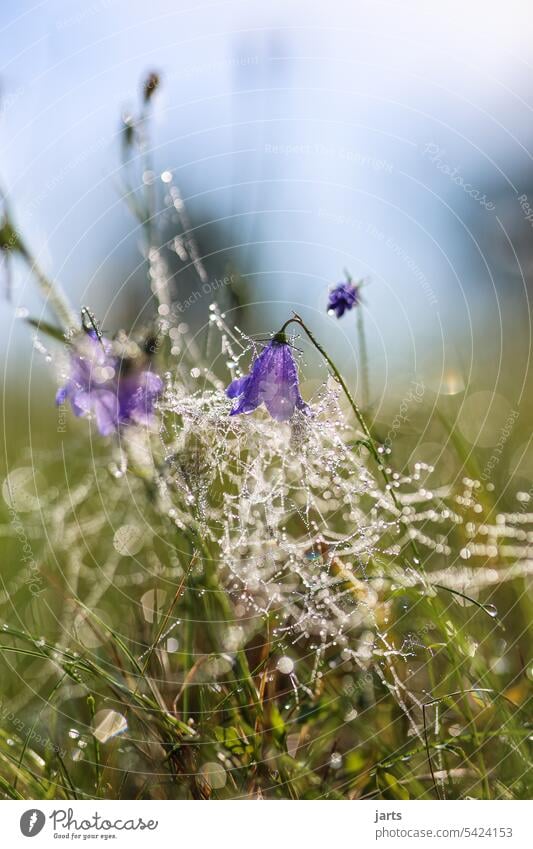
[471, 647]
[19, 489]
[128, 540]
[335, 760]
[152, 602]
[108, 724]
[285, 665]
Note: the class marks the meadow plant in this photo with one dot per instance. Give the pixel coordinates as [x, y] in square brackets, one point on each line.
[242, 596]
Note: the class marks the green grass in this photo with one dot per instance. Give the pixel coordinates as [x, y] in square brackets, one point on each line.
[452, 720]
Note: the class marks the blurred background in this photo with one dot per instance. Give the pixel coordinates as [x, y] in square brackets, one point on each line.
[393, 140]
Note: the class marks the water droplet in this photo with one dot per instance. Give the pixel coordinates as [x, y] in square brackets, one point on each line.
[335, 760]
[152, 602]
[108, 724]
[128, 540]
[285, 665]
[19, 489]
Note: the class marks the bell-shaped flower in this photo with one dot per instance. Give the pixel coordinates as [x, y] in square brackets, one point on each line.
[343, 297]
[273, 381]
[111, 388]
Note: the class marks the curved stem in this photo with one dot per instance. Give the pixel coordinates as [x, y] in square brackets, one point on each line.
[296, 319]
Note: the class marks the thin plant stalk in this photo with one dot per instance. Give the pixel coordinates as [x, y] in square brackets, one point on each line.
[369, 440]
[363, 357]
[297, 319]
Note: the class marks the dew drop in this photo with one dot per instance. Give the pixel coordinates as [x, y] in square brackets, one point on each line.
[335, 760]
[128, 540]
[108, 724]
[285, 665]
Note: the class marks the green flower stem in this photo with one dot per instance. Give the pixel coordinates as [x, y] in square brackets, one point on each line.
[221, 606]
[189, 663]
[296, 319]
[369, 442]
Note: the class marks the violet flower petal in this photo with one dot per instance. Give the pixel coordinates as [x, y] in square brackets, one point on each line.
[98, 384]
[237, 386]
[273, 380]
[344, 296]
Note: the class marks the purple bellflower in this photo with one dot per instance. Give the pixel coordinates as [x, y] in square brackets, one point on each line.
[273, 380]
[344, 296]
[114, 389]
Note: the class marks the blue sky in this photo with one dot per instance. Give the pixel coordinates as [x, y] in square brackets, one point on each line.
[307, 124]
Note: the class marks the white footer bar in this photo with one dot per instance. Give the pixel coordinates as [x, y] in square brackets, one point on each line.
[268, 825]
